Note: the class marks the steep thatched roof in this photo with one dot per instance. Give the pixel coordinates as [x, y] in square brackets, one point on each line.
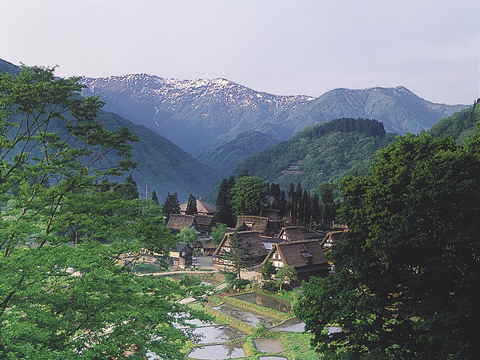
[300, 254]
[177, 222]
[250, 239]
[331, 237]
[272, 215]
[205, 220]
[291, 233]
[254, 223]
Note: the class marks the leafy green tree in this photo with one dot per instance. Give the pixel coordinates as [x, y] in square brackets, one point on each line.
[249, 196]
[268, 270]
[328, 201]
[58, 301]
[188, 236]
[191, 206]
[218, 232]
[407, 271]
[286, 274]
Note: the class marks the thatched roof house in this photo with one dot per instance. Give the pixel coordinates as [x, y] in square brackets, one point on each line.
[330, 238]
[202, 208]
[199, 222]
[181, 256]
[204, 223]
[306, 256]
[254, 223]
[274, 219]
[291, 233]
[252, 240]
[177, 222]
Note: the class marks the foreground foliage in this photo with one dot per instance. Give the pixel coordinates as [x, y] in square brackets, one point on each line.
[65, 302]
[407, 271]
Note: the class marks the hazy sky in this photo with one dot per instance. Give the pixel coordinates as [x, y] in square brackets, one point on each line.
[283, 47]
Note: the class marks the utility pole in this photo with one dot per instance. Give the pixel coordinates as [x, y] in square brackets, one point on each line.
[146, 192]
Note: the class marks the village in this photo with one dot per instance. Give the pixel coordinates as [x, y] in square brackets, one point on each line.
[268, 237]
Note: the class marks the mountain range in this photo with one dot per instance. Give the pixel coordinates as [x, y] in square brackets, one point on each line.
[163, 166]
[224, 125]
[206, 117]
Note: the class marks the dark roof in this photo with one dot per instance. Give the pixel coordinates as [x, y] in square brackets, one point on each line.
[272, 215]
[251, 239]
[206, 220]
[254, 223]
[180, 221]
[296, 253]
[331, 237]
[180, 247]
[291, 233]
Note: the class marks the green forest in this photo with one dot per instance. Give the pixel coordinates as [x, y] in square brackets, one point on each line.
[320, 153]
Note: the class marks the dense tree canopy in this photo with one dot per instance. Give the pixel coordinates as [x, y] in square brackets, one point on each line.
[249, 196]
[407, 271]
[59, 301]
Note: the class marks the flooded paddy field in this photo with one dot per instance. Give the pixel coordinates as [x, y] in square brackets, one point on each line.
[214, 352]
[247, 316]
[266, 301]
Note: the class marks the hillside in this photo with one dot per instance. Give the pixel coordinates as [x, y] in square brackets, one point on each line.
[320, 153]
[197, 115]
[163, 166]
[201, 116]
[224, 158]
[459, 125]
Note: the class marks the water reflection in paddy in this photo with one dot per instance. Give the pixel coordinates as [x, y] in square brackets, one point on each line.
[266, 301]
[217, 334]
[246, 315]
[293, 325]
[214, 352]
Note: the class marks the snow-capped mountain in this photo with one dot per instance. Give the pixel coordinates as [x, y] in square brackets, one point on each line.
[193, 114]
[202, 115]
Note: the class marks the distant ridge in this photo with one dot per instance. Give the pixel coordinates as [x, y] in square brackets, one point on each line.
[201, 116]
[163, 166]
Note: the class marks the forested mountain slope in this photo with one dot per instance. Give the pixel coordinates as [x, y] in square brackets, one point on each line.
[163, 166]
[224, 158]
[460, 125]
[320, 153]
[398, 109]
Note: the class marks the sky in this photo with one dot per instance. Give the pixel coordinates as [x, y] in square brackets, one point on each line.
[282, 47]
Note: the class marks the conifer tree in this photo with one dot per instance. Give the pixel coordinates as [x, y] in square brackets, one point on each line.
[191, 206]
[224, 212]
[171, 206]
[155, 196]
[129, 188]
[299, 204]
